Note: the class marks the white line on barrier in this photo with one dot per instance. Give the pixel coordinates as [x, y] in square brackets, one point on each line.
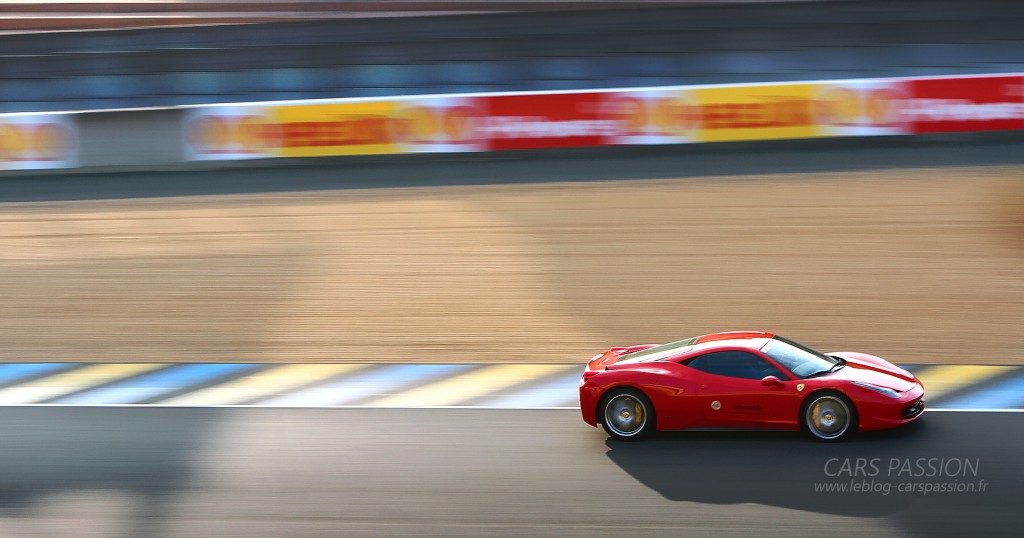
[673, 87]
[406, 97]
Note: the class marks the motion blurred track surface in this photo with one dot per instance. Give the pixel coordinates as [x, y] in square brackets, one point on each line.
[378, 472]
[880, 246]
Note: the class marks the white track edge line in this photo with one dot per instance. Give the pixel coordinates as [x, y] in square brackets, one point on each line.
[472, 407]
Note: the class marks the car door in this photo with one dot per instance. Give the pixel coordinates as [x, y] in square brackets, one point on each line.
[732, 394]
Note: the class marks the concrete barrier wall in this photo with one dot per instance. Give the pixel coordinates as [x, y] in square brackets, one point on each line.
[141, 138]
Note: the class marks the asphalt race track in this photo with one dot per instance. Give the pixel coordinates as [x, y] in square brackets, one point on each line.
[473, 472]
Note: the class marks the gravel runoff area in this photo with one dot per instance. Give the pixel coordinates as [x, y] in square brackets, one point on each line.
[916, 265]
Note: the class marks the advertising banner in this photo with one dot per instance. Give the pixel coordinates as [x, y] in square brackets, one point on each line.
[301, 130]
[494, 122]
[439, 124]
[230, 133]
[957, 104]
[354, 128]
[861, 107]
[534, 121]
[652, 116]
[756, 112]
[38, 141]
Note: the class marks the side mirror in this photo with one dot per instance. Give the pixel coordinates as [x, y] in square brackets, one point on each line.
[772, 382]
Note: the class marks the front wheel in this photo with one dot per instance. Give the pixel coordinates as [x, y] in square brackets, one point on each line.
[627, 414]
[829, 416]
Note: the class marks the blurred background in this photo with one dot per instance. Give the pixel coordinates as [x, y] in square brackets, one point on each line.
[91, 55]
[123, 249]
[155, 207]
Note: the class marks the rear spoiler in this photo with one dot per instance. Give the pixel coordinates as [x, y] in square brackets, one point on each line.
[601, 361]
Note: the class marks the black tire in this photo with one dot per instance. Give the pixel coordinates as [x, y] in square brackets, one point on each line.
[828, 416]
[626, 414]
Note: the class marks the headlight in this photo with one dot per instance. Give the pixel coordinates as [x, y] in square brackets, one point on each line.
[888, 392]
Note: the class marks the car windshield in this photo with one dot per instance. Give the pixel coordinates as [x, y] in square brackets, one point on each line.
[803, 361]
[662, 351]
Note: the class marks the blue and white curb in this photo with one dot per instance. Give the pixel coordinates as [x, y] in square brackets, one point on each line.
[498, 386]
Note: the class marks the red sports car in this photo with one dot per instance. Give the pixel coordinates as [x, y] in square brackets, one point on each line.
[745, 380]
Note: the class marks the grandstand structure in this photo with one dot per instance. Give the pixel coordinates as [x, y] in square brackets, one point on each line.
[61, 56]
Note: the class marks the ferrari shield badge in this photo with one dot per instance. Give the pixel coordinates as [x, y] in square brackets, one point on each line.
[799, 387]
[716, 405]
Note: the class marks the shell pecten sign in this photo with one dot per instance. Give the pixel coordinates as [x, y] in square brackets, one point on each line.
[658, 116]
[37, 141]
[861, 108]
[438, 124]
[230, 132]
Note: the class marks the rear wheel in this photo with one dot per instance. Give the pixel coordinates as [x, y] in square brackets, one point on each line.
[627, 414]
[829, 416]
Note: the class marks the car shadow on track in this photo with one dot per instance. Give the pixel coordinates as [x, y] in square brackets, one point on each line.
[768, 467]
[788, 470]
[145, 455]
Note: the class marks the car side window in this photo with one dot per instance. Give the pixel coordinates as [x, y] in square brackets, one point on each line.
[734, 364]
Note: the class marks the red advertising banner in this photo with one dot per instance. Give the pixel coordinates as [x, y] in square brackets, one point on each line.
[956, 104]
[533, 121]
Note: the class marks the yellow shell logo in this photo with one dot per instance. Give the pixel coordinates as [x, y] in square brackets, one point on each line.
[882, 106]
[415, 124]
[231, 134]
[632, 114]
[846, 106]
[13, 142]
[35, 142]
[209, 132]
[664, 116]
[716, 405]
[459, 123]
[674, 116]
[838, 106]
[424, 125]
